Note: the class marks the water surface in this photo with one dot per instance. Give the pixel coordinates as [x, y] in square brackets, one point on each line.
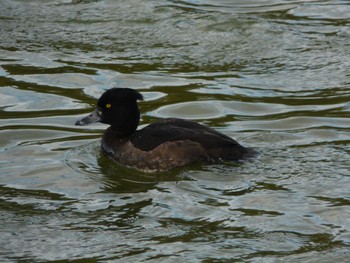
[272, 74]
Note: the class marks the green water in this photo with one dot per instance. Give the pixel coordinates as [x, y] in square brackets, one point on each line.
[272, 74]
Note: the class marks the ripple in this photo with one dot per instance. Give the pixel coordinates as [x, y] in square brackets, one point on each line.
[297, 123]
[211, 109]
[249, 6]
[335, 11]
[190, 110]
[64, 80]
[15, 100]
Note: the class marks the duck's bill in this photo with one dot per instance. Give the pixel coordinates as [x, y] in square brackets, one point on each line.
[95, 116]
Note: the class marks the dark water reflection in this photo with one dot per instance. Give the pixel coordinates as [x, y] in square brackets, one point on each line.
[272, 74]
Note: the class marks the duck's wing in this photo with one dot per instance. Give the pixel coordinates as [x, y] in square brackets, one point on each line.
[170, 130]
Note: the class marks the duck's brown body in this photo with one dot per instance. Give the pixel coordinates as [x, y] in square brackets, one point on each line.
[171, 143]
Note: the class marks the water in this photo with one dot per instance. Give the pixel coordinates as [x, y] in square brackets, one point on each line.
[272, 74]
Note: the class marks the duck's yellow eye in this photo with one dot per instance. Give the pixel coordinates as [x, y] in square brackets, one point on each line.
[108, 105]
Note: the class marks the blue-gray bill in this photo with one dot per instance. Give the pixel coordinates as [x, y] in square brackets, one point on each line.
[93, 117]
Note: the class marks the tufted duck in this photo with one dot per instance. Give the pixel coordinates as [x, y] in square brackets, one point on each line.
[162, 145]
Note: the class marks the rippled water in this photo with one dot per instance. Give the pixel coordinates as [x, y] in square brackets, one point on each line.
[272, 74]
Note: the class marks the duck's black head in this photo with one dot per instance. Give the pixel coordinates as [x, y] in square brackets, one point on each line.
[117, 107]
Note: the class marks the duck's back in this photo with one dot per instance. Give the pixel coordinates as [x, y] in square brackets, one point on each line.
[214, 144]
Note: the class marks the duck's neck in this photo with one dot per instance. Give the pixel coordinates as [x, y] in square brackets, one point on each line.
[125, 121]
[122, 131]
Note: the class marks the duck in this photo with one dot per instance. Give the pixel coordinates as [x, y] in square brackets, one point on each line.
[162, 145]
